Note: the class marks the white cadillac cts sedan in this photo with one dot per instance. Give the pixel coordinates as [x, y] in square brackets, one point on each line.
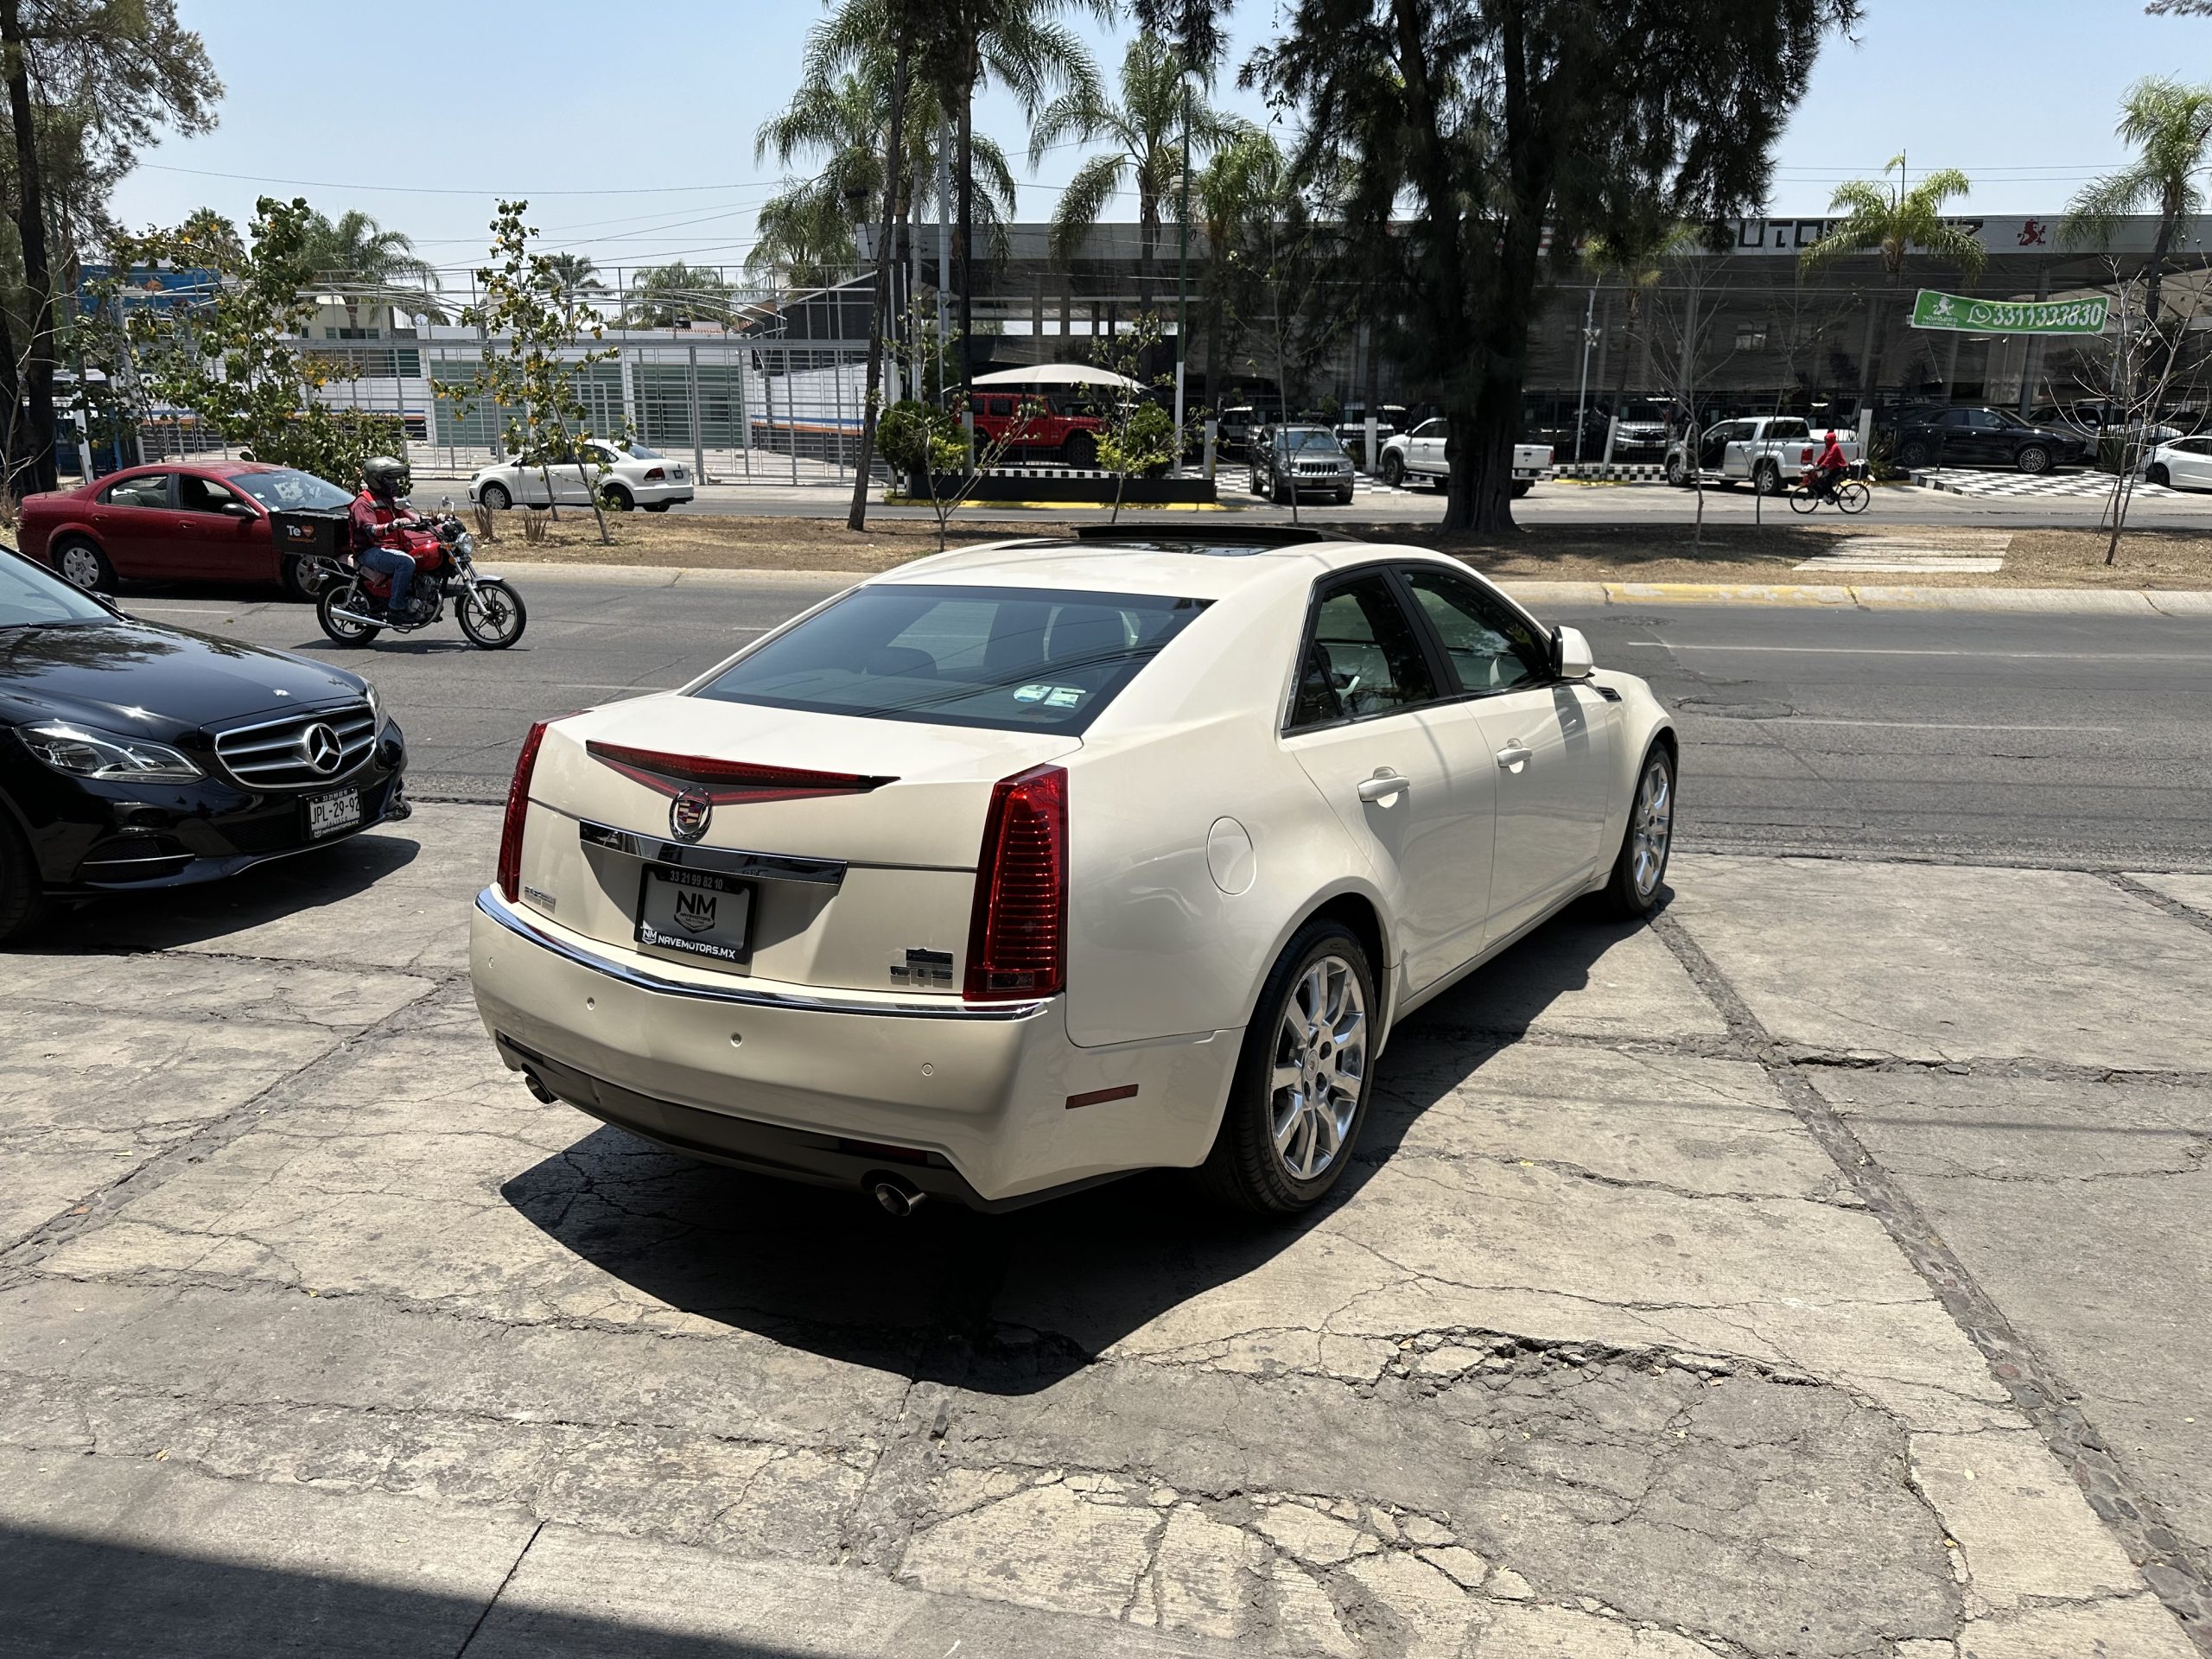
[1029, 864]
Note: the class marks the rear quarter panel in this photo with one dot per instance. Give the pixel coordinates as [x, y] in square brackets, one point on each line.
[1156, 946]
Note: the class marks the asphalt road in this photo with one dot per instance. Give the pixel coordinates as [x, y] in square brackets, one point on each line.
[2031, 739]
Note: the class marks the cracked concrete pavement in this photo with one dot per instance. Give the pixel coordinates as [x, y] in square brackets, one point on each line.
[1818, 1272]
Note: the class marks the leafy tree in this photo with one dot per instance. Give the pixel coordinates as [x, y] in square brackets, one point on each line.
[121, 70]
[232, 359]
[1638, 265]
[1892, 218]
[1499, 121]
[1144, 130]
[2171, 127]
[528, 380]
[664, 296]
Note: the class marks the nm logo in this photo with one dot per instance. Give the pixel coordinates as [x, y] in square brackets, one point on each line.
[694, 911]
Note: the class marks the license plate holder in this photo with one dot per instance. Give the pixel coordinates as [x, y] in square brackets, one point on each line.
[695, 913]
[328, 814]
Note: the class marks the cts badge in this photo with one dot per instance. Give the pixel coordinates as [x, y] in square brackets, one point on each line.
[690, 813]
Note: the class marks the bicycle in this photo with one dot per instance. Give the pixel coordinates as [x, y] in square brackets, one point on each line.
[1849, 496]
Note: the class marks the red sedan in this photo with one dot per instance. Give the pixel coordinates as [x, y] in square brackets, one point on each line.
[176, 521]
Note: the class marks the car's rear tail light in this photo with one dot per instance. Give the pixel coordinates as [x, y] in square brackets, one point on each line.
[1805, 455]
[727, 781]
[653, 475]
[1017, 934]
[517, 810]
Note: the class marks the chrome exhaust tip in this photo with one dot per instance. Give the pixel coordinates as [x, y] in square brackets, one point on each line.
[898, 1197]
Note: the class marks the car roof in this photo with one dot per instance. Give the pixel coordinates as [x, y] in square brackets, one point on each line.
[1182, 567]
[217, 467]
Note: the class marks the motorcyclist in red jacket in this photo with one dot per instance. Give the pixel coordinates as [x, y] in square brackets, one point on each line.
[379, 514]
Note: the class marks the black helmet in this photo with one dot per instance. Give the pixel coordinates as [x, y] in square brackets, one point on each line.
[385, 476]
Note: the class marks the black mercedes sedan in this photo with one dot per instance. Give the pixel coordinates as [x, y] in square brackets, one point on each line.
[133, 756]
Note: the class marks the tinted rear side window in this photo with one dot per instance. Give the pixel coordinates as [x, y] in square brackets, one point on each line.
[1015, 659]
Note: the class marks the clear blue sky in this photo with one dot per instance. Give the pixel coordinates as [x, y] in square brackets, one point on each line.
[631, 129]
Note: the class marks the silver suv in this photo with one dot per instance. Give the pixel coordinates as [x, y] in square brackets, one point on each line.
[1304, 459]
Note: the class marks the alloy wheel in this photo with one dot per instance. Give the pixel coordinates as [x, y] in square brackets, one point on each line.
[1653, 827]
[1318, 1068]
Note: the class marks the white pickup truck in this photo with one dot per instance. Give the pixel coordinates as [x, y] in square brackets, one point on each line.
[1420, 453]
[1770, 453]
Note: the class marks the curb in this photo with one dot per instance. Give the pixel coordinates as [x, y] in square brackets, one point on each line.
[1576, 596]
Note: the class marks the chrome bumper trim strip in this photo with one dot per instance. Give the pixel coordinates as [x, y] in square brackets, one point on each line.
[494, 905]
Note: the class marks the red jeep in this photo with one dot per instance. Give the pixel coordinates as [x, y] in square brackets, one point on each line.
[1037, 420]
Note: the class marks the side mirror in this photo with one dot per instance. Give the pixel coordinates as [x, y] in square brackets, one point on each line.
[239, 510]
[1571, 654]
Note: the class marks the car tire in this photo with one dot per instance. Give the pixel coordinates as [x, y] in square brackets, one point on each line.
[21, 901]
[1255, 485]
[1281, 494]
[1766, 479]
[1640, 868]
[495, 496]
[1912, 453]
[81, 563]
[1677, 474]
[1394, 468]
[1344, 497]
[2033, 458]
[1521, 487]
[298, 585]
[2159, 475]
[1263, 1141]
[658, 506]
[1080, 451]
[615, 498]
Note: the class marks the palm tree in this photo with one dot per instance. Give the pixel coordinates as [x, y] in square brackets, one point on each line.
[1019, 45]
[355, 248]
[1145, 132]
[573, 273]
[1242, 181]
[807, 227]
[2170, 125]
[1892, 218]
[661, 297]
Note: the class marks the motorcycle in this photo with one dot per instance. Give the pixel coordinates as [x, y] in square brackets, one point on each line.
[351, 605]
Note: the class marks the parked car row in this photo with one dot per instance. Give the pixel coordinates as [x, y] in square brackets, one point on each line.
[1979, 435]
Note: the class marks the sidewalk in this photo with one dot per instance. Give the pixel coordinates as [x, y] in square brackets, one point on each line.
[1678, 1309]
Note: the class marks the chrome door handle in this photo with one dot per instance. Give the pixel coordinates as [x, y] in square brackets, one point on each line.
[1516, 755]
[1383, 785]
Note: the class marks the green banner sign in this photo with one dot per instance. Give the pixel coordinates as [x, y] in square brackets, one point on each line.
[1934, 310]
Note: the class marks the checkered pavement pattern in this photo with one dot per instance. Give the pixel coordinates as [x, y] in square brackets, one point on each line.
[2035, 485]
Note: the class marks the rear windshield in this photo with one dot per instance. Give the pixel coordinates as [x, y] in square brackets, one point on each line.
[1014, 659]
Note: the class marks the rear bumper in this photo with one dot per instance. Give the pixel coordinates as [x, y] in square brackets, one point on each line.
[990, 1106]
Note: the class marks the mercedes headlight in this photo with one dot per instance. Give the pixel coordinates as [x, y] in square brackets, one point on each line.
[83, 753]
[376, 705]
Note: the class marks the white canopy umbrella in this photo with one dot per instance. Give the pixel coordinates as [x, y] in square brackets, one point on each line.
[1059, 374]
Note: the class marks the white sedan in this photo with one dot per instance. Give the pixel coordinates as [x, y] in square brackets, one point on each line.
[1028, 865]
[2182, 463]
[625, 476]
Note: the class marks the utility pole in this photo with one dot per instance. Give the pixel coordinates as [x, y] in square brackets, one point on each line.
[1183, 272]
[943, 240]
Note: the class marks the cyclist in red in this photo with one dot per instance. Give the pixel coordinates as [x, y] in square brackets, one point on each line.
[1829, 467]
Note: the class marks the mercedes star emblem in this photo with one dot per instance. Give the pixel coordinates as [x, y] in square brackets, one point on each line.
[321, 749]
[690, 813]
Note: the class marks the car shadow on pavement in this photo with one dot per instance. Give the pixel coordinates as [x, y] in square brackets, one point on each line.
[1007, 1304]
[161, 919]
